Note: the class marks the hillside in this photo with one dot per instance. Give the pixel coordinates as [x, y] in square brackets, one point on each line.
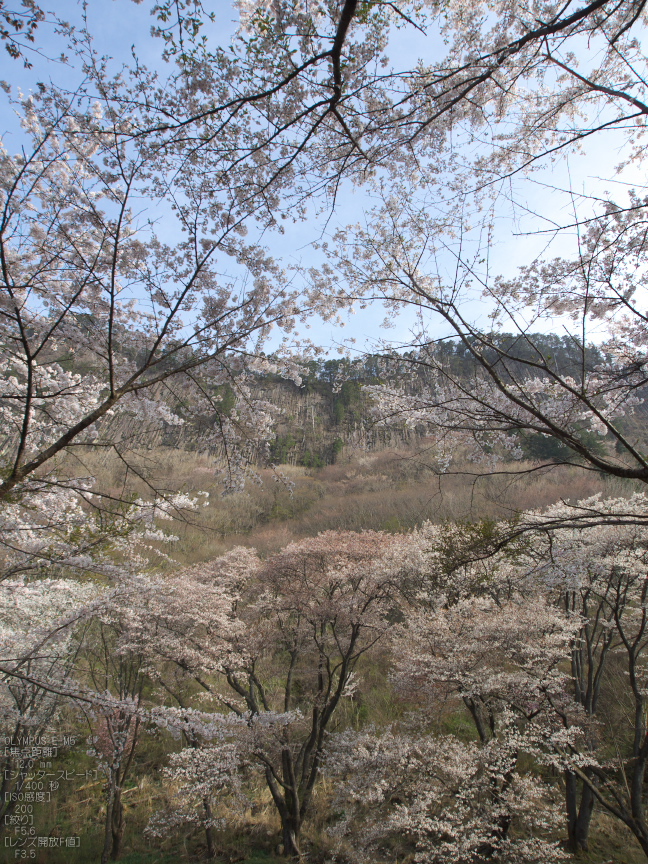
[331, 412]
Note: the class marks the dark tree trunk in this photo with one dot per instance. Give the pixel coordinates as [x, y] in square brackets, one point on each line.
[117, 825]
[209, 831]
[287, 804]
[641, 833]
[579, 816]
[107, 847]
[290, 831]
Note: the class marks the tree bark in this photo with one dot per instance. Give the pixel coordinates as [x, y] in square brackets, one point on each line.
[107, 847]
[209, 831]
[117, 825]
[290, 831]
[579, 816]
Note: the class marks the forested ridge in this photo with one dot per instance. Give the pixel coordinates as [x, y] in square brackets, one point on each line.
[330, 408]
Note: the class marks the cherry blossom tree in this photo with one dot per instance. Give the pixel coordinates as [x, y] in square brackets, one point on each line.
[514, 93]
[296, 105]
[64, 635]
[104, 319]
[489, 644]
[56, 528]
[100, 651]
[172, 634]
[18, 26]
[277, 645]
[451, 801]
[203, 776]
[512, 389]
[597, 576]
[115, 730]
[71, 291]
[323, 605]
[113, 741]
[39, 645]
[319, 79]
[534, 632]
